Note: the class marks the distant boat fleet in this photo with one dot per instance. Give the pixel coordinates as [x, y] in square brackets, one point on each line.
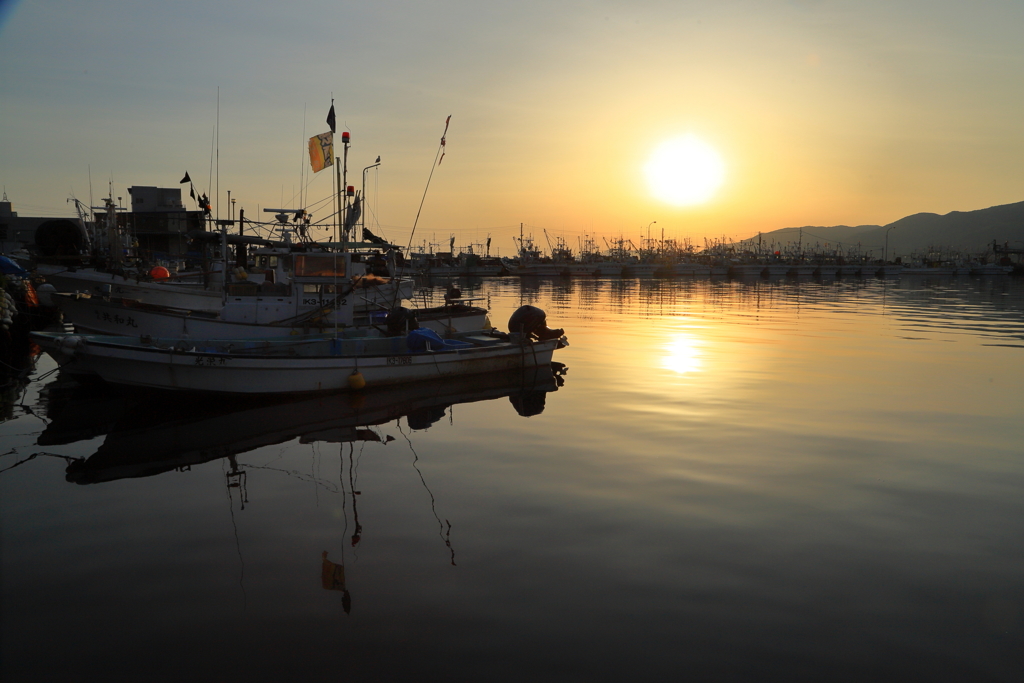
[668, 258]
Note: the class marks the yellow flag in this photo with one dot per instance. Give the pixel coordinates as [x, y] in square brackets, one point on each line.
[321, 151]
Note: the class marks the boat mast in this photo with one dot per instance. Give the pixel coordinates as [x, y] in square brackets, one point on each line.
[337, 198]
[344, 176]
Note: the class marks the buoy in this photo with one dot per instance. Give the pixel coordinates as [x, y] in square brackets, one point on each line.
[159, 273]
[356, 380]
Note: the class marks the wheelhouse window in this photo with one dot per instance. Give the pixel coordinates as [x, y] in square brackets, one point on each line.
[319, 265]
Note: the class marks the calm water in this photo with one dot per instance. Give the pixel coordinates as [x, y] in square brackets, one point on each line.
[731, 481]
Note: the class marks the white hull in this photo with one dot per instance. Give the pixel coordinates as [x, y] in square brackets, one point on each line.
[93, 315]
[192, 296]
[182, 295]
[279, 367]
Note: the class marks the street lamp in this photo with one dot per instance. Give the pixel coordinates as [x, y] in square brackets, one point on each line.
[885, 254]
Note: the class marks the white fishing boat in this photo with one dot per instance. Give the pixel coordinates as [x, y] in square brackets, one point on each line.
[285, 366]
[256, 317]
[275, 274]
[344, 361]
[324, 290]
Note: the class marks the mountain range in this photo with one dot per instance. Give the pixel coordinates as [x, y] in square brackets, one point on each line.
[963, 232]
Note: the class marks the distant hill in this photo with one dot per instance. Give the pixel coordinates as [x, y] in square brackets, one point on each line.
[970, 232]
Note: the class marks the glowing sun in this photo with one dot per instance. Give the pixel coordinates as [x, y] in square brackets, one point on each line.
[684, 171]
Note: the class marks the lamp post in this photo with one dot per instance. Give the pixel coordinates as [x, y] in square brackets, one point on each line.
[885, 254]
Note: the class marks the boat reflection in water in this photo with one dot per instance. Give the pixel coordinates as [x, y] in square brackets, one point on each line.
[154, 435]
[149, 436]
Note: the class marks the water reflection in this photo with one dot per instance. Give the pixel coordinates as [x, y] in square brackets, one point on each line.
[682, 354]
[742, 481]
[146, 436]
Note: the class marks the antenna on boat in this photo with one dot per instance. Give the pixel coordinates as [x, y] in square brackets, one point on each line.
[437, 162]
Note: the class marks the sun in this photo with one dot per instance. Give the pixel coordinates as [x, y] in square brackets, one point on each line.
[684, 171]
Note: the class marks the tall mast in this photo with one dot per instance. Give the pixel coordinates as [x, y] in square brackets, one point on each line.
[337, 198]
[344, 185]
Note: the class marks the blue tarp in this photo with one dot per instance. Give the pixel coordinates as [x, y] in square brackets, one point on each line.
[424, 339]
[9, 267]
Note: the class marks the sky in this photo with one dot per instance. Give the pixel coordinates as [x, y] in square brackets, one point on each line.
[822, 112]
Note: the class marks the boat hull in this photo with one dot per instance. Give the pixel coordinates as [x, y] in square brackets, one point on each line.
[308, 366]
[192, 296]
[94, 315]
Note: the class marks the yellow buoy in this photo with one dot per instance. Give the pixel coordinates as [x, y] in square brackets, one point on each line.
[356, 380]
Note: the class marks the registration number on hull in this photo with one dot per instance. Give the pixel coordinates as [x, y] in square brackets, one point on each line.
[399, 360]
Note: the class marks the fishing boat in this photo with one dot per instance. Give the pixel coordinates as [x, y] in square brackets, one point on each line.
[116, 316]
[273, 272]
[349, 359]
[323, 294]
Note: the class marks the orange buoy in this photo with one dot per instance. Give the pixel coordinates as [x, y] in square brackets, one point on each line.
[159, 273]
[356, 380]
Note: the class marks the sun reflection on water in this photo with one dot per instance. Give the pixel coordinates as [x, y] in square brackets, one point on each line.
[683, 355]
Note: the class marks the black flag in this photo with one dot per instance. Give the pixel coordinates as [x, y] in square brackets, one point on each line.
[330, 119]
[192, 192]
[186, 179]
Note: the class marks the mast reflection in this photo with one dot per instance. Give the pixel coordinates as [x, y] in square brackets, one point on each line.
[149, 435]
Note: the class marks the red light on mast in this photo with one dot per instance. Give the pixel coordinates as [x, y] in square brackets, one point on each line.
[344, 137]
